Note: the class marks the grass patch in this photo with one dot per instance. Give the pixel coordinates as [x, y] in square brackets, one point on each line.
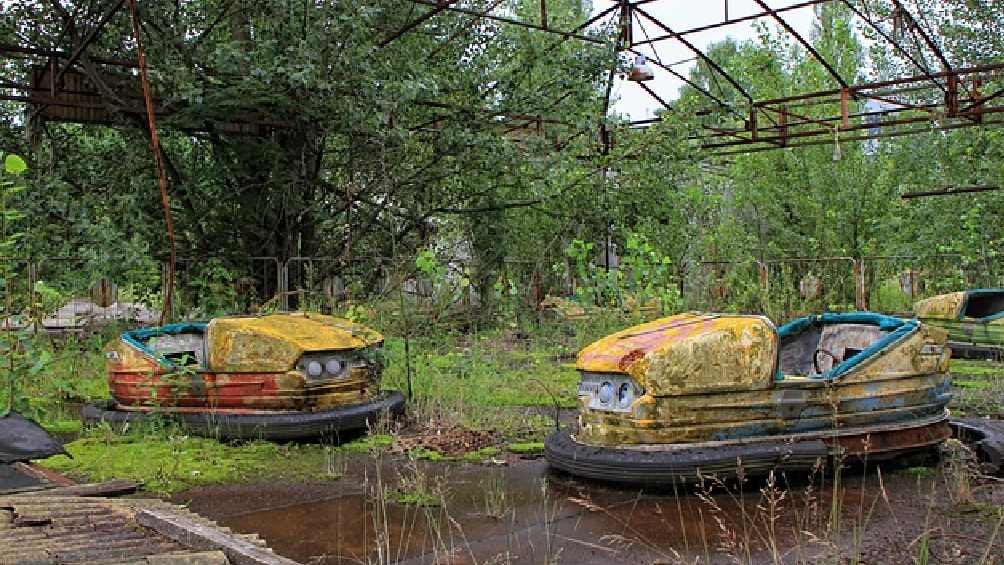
[532, 365]
[978, 388]
[482, 374]
[975, 368]
[973, 384]
[483, 454]
[63, 426]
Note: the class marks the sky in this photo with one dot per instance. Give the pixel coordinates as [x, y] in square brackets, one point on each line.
[681, 15]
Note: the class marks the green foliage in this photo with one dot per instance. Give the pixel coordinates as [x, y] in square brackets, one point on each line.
[21, 361]
[378, 154]
[483, 374]
[211, 289]
[644, 274]
[14, 164]
[428, 265]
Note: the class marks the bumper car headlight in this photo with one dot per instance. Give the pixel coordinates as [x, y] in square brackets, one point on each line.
[611, 392]
[322, 366]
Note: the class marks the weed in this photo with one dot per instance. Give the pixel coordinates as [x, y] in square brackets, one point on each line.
[495, 502]
[417, 488]
[959, 466]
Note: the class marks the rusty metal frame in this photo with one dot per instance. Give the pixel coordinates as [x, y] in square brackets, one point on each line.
[765, 125]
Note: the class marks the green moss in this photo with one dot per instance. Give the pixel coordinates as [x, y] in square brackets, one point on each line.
[423, 454]
[165, 464]
[526, 448]
[367, 444]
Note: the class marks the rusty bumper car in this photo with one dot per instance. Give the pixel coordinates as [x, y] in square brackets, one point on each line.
[701, 394]
[974, 320]
[279, 376]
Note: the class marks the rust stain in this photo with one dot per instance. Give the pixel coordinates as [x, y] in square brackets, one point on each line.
[892, 441]
[625, 363]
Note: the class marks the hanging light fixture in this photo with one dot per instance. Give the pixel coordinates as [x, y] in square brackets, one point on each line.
[837, 154]
[640, 71]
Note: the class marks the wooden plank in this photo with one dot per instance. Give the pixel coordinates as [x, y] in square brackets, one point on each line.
[196, 535]
[117, 487]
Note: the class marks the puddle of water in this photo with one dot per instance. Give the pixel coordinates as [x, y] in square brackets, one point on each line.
[517, 512]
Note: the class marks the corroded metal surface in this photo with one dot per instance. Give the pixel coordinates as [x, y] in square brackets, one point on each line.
[669, 463]
[689, 354]
[891, 442]
[250, 366]
[712, 378]
[942, 306]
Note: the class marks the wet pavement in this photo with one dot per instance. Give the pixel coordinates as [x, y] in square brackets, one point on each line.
[521, 512]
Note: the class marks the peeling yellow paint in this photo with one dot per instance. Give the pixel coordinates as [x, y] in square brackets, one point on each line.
[689, 354]
[251, 366]
[275, 342]
[942, 306]
[712, 377]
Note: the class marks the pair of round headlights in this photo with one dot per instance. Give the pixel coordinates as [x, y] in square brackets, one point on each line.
[332, 366]
[624, 394]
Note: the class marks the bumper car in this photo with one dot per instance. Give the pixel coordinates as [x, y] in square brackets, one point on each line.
[974, 320]
[277, 377]
[701, 394]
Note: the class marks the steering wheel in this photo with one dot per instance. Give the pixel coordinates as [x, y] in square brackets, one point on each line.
[815, 358]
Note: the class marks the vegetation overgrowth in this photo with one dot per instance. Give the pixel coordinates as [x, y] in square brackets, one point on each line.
[466, 215]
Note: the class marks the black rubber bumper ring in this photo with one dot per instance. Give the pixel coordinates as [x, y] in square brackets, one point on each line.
[278, 426]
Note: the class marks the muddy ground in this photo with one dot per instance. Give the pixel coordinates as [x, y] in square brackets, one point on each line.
[515, 510]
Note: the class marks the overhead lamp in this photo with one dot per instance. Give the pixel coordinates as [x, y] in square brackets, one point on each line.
[640, 71]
